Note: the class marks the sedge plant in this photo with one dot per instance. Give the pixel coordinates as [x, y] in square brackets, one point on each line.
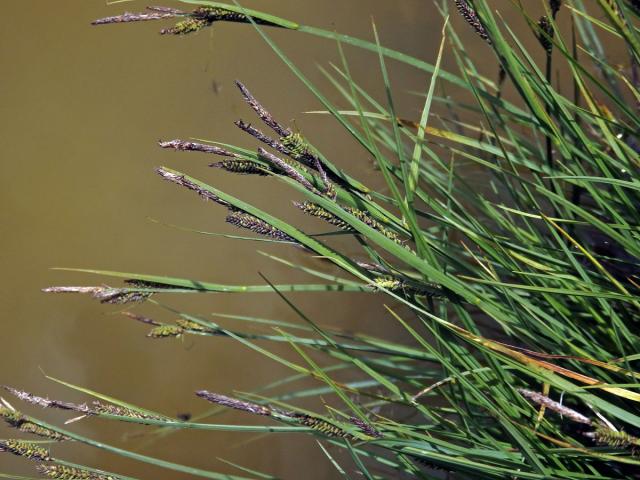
[522, 298]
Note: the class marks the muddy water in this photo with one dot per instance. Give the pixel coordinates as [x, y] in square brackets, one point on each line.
[81, 110]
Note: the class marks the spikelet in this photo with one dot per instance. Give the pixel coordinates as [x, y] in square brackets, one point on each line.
[185, 27]
[19, 421]
[98, 408]
[316, 210]
[388, 283]
[193, 326]
[122, 297]
[34, 429]
[370, 221]
[296, 144]
[250, 222]
[330, 189]
[12, 417]
[24, 449]
[242, 167]
[322, 426]
[61, 472]
[165, 331]
[604, 435]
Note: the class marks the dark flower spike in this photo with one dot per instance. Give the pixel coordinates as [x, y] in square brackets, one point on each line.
[183, 182]
[196, 20]
[185, 145]
[262, 112]
[318, 424]
[260, 136]
[545, 35]
[472, 19]
[555, 5]
[554, 406]
[602, 434]
[250, 222]
[365, 428]
[116, 296]
[157, 13]
[205, 16]
[235, 403]
[216, 14]
[25, 449]
[290, 144]
[45, 402]
[287, 169]
[96, 407]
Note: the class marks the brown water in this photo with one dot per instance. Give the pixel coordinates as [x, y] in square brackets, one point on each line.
[81, 110]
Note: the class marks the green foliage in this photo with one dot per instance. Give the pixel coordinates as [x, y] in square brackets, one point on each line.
[521, 289]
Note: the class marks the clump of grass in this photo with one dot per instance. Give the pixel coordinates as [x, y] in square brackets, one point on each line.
[515, 291]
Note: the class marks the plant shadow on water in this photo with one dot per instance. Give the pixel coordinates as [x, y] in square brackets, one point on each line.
[478, 255]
